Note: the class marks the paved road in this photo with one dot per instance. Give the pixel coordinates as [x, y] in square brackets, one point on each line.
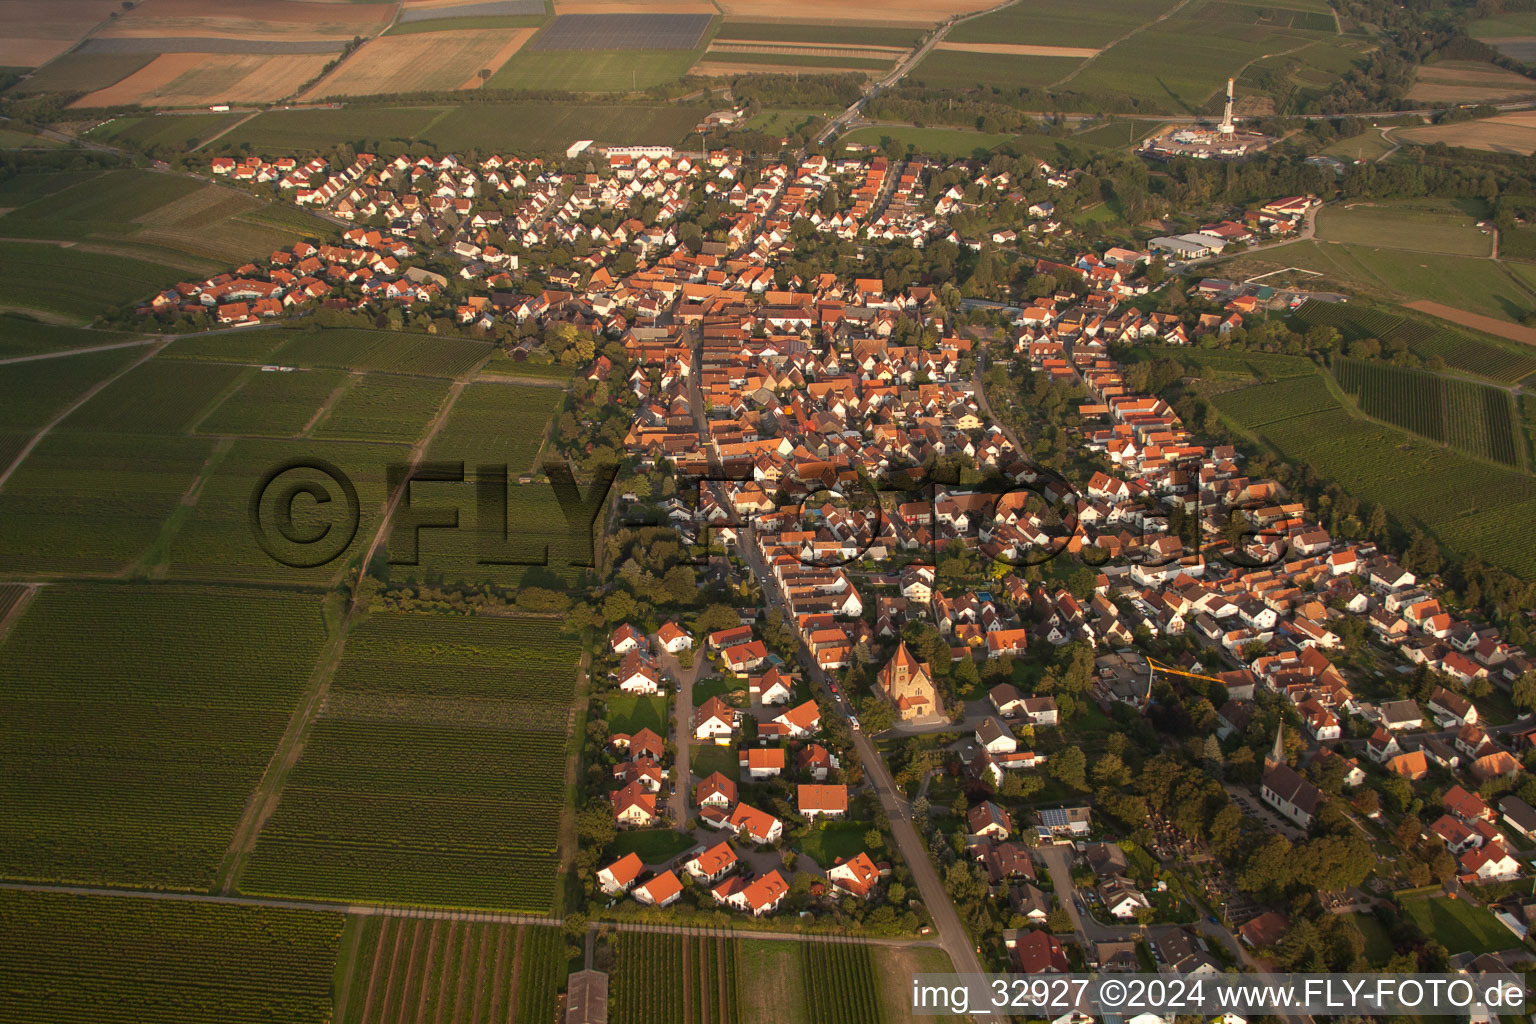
[682, 772]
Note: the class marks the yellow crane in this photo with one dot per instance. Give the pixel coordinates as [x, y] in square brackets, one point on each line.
[1157, 666]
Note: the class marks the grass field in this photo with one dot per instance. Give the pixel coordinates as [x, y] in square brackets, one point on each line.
[629, 714]
[1466, 283]
[1368, 146]
[654, 845]
[952, 142]
[435, 773]
[119, 960]
[505, 127]
[1425, 225]
[75, 284]
[459, 971]
[599, 71]
[952, 69]
[834, 839]
[1458, 925]
[130, 752]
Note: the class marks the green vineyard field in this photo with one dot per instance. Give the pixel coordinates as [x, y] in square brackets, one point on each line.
[273, 404]
[662, 979]
[840, 984]
[1478, 419]
[384, 407]
[119, 960]
[136, 720]
[435, 773]
[348, 349]
[1460, 351]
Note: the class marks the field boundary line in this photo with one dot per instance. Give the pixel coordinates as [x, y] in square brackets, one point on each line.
[90, 393]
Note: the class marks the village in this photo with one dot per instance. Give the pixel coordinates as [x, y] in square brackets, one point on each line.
[908, 657]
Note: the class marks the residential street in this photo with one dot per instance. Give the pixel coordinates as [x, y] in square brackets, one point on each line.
[682, 779]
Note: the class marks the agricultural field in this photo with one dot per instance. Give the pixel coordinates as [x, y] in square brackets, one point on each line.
[1476, 285]
[1478, 419]
[495, 423]
[1040, 23]
[383, 407]
[776, 986]
[196, 228]
[212, 536]
[879, 13]
[1121, 135]
[244, 346]
[1465, 81]
[840, 983]
[1507, 133]
[699, 977]
[421, 62]
[167, 129]
[273, 404]
[1470, 506]
[23, 336]
[73, 285]
[595, 71]
[1368, 146]
[595, 32]
[129, 753]
[33, 393]
[936, 142]
[951, 69]
[158, 397]
[505, 127]
[202, 79]
[1460, 350]
[119, 960]
[31, 35]
[453, 972]
[186, 23]
[894, 37]
[78, 72]
[1426, 225]
[435, 773]
[386, 351]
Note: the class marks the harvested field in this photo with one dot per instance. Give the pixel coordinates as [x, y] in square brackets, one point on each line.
[428, 10]
[424, 62]
[726, 69]
[198, 79]
[1021, 49]
[1508, 133]
[877, 12]
[801, 49]
[1476, 321]
[622, 32]
[1467, 82]
[32, 34]
[206, 44]
[248, 20]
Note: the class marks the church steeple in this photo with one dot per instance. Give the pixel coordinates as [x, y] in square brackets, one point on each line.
[1276, 756]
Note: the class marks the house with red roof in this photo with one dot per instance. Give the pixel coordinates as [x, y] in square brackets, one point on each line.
[714, 720]
[673, 638]
[743, 658]
[1038, 952]
[816, 800]
[634, 806]
[857, 875]
[713, 864]
[715, 791]
[661, 891]
[620, 875]
[801, 720]
[760, 896]
[754, 825]
[760, 763]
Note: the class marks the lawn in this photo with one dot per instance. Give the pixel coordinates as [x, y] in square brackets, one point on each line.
[1463, 282]
[827, 842]
[1458, 925]
[1378, 944]
[629, 714]
[1418, 226]
[707, 758]
[719, 686]
[617, 71]
[654, 845]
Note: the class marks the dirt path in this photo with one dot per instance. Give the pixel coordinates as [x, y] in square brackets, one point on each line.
[426, 973]
[330, 402]
[1170, 12]
[62, 353]
[20, 606]
[90, 393]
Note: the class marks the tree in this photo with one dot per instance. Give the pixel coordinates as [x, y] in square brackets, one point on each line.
[1070, 766]
[876, 715]
[1525, 691]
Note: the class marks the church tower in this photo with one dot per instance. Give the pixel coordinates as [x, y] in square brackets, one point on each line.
[1276, 756]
